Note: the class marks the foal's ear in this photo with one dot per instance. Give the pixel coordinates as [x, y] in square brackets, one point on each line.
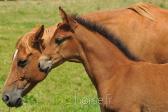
[67, 19]
[36, 39]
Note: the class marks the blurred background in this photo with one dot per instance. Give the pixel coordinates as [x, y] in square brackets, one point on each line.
[67, 88]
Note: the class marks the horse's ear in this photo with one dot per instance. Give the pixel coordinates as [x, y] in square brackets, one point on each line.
[63, 15]
[36, 39]
[67, 19]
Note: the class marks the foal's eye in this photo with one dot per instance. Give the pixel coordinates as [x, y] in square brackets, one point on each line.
[58, 41]
[22, 63]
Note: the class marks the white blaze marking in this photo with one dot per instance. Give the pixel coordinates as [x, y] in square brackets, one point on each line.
[15, 54]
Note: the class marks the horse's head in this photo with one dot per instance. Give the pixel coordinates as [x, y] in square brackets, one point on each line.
[24, 73]
[63, 46]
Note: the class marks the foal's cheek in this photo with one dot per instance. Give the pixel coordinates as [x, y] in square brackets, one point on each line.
[68, 51]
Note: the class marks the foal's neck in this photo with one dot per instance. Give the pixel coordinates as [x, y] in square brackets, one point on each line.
[100, 57]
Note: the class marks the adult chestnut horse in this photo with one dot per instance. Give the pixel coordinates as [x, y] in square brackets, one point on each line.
[122, 84]
[142, 29]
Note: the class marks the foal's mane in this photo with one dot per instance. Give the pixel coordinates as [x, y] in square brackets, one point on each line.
[106, 34]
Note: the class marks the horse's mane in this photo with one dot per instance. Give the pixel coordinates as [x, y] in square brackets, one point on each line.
[106, 34]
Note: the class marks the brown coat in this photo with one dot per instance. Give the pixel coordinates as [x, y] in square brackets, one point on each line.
[141, 27]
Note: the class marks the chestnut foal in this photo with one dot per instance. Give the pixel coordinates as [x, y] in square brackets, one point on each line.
[122, 84]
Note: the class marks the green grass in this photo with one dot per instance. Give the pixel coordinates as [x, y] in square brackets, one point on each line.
[67, 88]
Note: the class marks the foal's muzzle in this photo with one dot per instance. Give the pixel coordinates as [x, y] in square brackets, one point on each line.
[45, 64]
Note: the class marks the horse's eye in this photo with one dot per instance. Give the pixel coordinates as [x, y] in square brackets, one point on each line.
[58, 41]
[22, 63]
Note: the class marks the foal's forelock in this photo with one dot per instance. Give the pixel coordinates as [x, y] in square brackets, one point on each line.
[48, 33]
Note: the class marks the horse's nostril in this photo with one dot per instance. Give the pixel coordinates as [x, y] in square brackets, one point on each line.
[12, 100]
[18, 102]
[5, 98]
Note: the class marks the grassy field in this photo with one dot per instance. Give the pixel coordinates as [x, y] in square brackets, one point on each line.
[67, 88]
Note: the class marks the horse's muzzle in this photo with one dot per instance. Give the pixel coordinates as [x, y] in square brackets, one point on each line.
[12, 99]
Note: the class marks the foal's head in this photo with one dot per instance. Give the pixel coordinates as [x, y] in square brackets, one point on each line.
[63, 46]
[24, 73]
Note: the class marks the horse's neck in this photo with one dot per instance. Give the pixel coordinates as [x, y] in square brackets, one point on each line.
[100, 57]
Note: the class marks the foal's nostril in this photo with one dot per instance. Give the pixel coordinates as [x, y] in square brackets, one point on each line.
[43, 68]
[5, 98]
